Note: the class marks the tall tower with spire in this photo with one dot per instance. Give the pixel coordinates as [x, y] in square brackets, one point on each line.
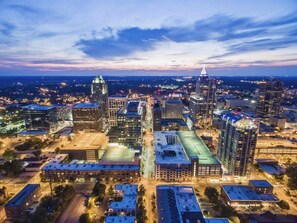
[99, 95]
[202, 103]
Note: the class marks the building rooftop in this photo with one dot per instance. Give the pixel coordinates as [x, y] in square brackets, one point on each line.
[177, 204]
[129, 200]
[86, 105]
[118, 96]
[260, 183]
[120, 219]
[87, 140]
[245, 193]
[179, 147]
[239, 120]
[167, 121]
[22, 195]
[217, 220]
[119, 154]
[133, 108]
[38, 107]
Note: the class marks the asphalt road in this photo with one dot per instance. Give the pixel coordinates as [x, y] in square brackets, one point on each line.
[74, 210]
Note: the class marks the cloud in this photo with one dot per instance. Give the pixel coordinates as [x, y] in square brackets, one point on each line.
[6, 28]
[221, 28]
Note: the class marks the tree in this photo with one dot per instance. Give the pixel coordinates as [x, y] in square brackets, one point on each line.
[99, 190]
[14, 167]
[292, 175]
[37, 153]
[84, 218]
[110, 191]
[212, 194]
[227, 211]
[57, 150]
[9, 154]
[283, 205]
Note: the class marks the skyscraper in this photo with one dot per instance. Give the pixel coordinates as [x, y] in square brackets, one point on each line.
[129, 124]
[269, 98]
[115, 103]
[202, 103]
[237, 143]
[99, 95]
[157, 116]
[173, 108]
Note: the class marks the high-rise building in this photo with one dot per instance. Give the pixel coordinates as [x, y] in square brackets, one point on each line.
[41, 118]
[173, 108]
[157, 116]
[99, 95]
[87, 116]
[115, 103]
[202, 103]
[269, 98]
[129, 124]
[237, 143]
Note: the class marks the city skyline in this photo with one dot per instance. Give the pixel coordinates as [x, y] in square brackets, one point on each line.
[167, 38]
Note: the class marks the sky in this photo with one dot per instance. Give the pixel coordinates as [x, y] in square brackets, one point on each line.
[132, 37]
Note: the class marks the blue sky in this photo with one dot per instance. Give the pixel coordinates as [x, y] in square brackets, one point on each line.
[148, 37]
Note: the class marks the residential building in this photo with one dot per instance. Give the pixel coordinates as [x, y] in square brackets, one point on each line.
[17, 206]
[269, 98]
[115, 103]
[117, 163]
[182, 155]
[87, 117]
[202, 103]
[178, 204]
[237, 143]
[129, 124]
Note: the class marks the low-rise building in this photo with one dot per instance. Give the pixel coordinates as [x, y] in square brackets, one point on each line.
[182, 156]
[278, 121]
[22, 201]
[117, 163]
[178, 204]
[257, 192]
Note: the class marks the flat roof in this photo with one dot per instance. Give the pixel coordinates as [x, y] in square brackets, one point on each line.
[38, 107]
[177, 204]
[178, 147]
[245, 193]
[133, 108]
[22, 195]
[260, 183]
[195, 146]
[217, 220]
[272, 169]
[118, 96]
[119, 154]
[119, 219]
[239, 120]
[129, 199]
[88, 140]
[167, 121]
[86, 105]
[88, 166]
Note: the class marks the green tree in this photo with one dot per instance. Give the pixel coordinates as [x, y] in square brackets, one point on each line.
[37, 153]
[227, 211]
[212, 194]
[9, 154]
[14, 167]
[110, 191]
[57, 150]
[283, 205]
[292, 175]
[84, 218]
